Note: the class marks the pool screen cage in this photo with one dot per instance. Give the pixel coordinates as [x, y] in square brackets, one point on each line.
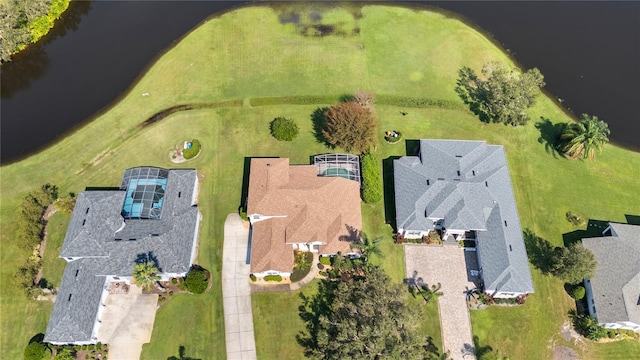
[145, 187]
[343, 165]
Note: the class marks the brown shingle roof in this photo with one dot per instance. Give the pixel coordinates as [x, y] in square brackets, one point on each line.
[315, 208]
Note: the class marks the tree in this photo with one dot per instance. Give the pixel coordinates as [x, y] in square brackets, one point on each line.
[502, 95]
[590, 328]
[37, 350]
[350, 126]
[364, 317]
[66, 204]
[197, 280]
[368, 247]
[574, 263]
[284, 129]
[582, 139]
[145, 274]
[428, 293]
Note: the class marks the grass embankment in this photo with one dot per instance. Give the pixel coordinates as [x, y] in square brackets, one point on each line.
[385, 50]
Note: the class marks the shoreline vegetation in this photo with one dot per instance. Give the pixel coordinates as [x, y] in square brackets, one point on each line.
[25, 22]
[315, 53]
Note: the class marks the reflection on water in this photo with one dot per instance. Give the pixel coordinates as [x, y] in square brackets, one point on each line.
[32, 63]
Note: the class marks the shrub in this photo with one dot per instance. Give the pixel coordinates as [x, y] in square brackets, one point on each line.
[196, 280]
[37, 351]
[574, 219]
[398, 238]
[325, 260]
[174, 281]
[194, 150]
[277, 278]
[252, 277]
[320, 266]
[371, 178]
[350, 126]
[578, 292]
[284, 129]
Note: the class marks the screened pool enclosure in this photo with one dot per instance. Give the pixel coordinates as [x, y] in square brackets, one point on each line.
[343, 165]
[145, 187]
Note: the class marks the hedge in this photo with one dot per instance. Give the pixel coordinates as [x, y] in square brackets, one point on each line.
[325, 260]
[296, 100]
[191, 152]
[371, 178]
[273, 278]
[196, 280]
[415, 102]
[284, 129]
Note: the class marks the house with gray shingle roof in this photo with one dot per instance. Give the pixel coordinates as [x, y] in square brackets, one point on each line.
[152, 217]
[613, 293]
[463, 190]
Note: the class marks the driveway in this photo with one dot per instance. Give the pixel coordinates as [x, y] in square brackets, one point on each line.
[445, 265]
[127, 323]
[236, 292]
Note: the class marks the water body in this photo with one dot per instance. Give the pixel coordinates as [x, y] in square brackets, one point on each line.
[589, 53]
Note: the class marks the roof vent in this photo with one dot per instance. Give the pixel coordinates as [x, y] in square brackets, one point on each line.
[427, 182]
[268, 164]
[505, 223]
[86, 212]
[84, 221]
[458, 172]
[440, 178]
[473, 172]
[458, 156]
[69, 299]
[117, 239]
[132, 239]
[486, 183]
[510, 249]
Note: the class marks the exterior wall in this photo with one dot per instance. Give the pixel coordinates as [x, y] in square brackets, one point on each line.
[194, 247]
[413, 234]
[625, 325]
[271, 272]
[503, 295]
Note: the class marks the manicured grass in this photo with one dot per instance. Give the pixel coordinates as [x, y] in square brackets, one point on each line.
[396, 52]
[52, 265]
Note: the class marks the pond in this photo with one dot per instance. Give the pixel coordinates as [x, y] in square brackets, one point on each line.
[589, 53]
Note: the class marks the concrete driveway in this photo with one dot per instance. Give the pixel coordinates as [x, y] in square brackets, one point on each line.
[445, 265]
[127, 323]
[236, 291]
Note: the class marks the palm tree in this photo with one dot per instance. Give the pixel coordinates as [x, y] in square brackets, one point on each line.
[145, 274]
[582, 139]
[368, 247]
[429, 293]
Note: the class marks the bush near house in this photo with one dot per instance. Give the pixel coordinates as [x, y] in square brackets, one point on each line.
[371, 178]
[277, 278]
[197, 280]
[325, 260]
[37, 351]
[194, 150]
[284, 129]
[578, 292]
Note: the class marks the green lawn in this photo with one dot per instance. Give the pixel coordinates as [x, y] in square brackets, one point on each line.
[52, 265]
[387, 50]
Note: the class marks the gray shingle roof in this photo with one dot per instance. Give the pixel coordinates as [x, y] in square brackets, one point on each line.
[616, 282]
[106, 244]
[467, 184]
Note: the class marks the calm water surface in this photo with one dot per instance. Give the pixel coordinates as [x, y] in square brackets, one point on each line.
[589, 53]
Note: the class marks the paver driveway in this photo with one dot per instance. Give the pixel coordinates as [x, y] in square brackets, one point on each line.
[236, 291]
[445, 265]
[127, 323]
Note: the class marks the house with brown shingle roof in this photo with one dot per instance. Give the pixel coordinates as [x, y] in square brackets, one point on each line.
[291, 208]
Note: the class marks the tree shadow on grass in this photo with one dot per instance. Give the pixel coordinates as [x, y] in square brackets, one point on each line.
[480, 350]
[317, 118]
[541, 252]
[312, 309]
[181, 355]
[550, 136]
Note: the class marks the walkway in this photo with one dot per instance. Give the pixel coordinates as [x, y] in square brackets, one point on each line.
[238, 318]
[445, 265]
[127, 323]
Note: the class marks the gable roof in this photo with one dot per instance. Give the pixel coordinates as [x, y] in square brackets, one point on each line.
[467, 184]
[104, 243]
[616, 282]
[306, 208]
